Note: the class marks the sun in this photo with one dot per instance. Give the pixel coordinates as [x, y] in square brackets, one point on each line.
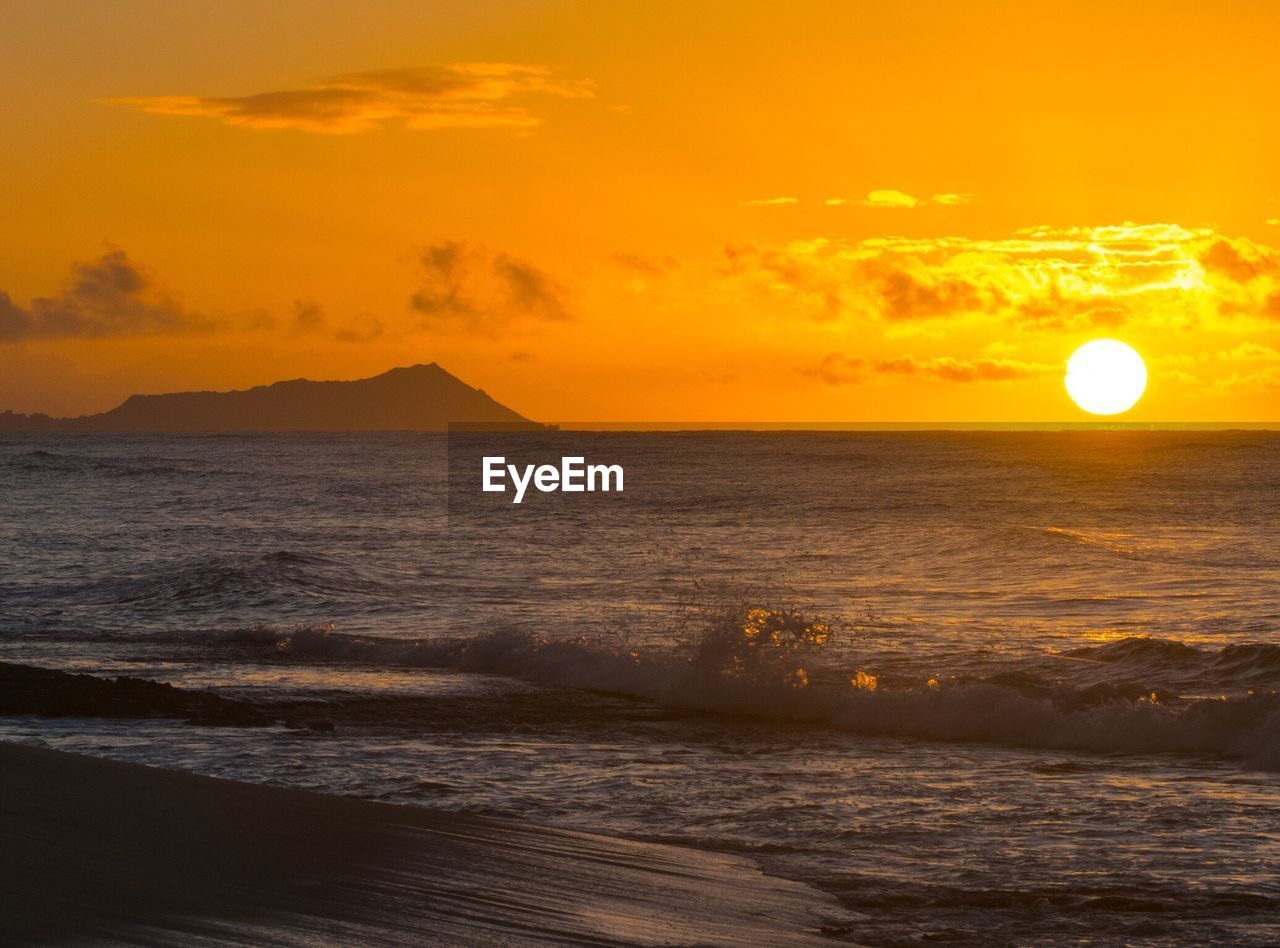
[1106, 377]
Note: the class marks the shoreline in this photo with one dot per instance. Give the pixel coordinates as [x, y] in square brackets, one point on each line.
[100, 850]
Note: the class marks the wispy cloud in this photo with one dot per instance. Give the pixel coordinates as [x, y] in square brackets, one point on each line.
[889, 198]
[462, 95]
[107, 297]
[836, 369]
[882, 198]
[1250, 352]
[309, 318]
[646, 265]
[1262, 382]
[948, 369]
[465, 287]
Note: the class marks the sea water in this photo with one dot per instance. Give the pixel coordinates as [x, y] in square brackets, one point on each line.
[985, 687]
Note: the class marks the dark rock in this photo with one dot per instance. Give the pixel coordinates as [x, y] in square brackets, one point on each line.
[25, 689]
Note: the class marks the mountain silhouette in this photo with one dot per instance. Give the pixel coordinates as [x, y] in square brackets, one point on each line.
[414, 398]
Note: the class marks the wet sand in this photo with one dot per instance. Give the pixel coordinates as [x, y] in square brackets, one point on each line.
[100, 851]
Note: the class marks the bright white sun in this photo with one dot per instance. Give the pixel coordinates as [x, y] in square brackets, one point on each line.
[1106, 377]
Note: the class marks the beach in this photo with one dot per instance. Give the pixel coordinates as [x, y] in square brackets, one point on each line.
[102, 851]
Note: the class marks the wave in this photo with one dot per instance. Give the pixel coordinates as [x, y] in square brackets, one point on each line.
[55, 462]
[1254, 665]
[1121, 544]
[260, 578]
[1150, 912]
[211, 584]
[766, 665]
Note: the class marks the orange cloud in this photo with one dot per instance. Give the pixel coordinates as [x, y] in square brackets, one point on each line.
[836, 369]
[113, 297]
[467, 288]
[110, 296]
[462, 95]
[1262, 382]
[1239, 260]
[309, 318]
[648, 266]
[966, 370]
[1044, 278]
[1250, 352]
[891, 198]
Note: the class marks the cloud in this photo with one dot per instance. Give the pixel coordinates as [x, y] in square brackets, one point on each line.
[881, 198]
[948, 369]
[462, 95]
[1250, 352]
[1246, 276]
[107, 297]
[907, 295]
[309, 319]
[112, 297]
[900, 199]
[465, 287]
[1239, 260]
[644, 269]
[791, 275]
[1066, 279]
[308, 316]
[836, 369]
[1261, 382]
[648, 266]
[889, 198]
[367, 331]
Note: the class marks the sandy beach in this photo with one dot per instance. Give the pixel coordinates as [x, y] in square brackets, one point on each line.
[101, 851]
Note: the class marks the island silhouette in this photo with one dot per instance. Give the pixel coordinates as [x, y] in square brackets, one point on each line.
[411, 398]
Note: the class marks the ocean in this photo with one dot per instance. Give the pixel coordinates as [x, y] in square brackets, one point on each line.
[1003, 687]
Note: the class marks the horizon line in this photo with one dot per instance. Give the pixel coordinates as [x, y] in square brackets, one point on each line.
[911, 425]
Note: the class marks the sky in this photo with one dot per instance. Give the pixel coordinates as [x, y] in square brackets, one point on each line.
[650, 211]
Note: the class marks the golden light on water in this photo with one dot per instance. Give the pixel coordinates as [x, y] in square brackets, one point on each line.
[1106, 377]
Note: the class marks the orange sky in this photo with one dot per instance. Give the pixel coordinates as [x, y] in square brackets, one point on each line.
[640, 211]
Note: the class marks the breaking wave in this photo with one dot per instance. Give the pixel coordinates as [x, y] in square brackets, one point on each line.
[766, 664]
